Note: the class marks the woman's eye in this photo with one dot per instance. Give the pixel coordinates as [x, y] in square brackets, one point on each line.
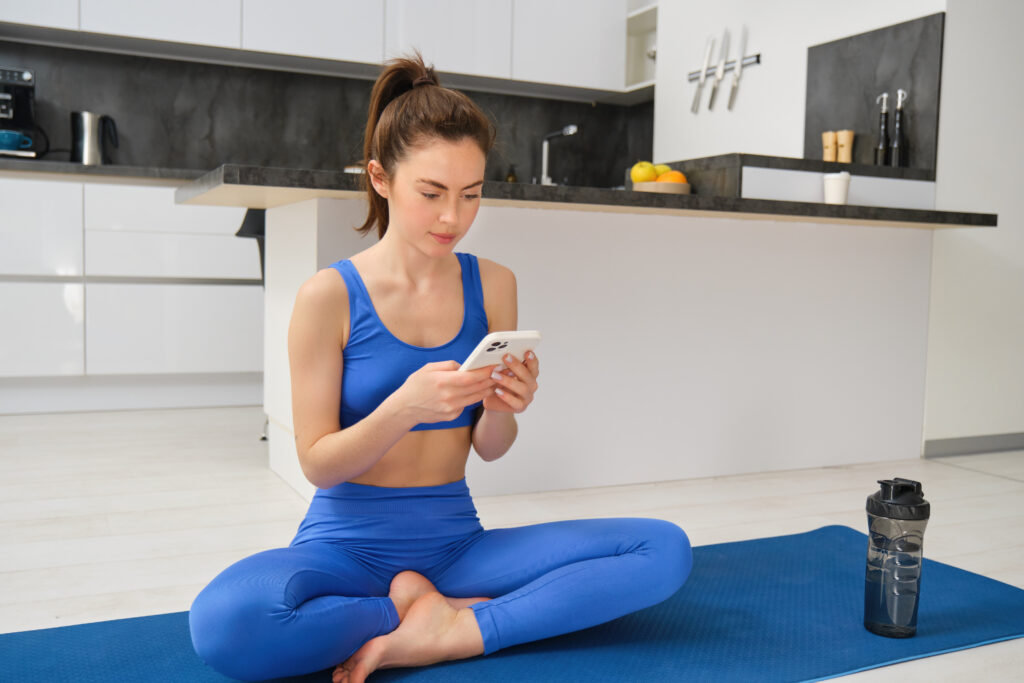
[472, 196]
[428, 195]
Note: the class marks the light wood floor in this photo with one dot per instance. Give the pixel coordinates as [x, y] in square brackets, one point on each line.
[119, 514]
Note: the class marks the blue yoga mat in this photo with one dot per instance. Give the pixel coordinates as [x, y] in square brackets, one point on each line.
[788, 608]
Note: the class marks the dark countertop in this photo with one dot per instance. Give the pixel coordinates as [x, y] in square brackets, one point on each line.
[263, 187]
[66, 170]
[792, 164]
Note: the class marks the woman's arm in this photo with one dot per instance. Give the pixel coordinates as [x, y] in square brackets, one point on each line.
[496, 430]
[329, 455]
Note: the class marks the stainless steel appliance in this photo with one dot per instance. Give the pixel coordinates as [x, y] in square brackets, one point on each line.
[17, 108]
[89, 134]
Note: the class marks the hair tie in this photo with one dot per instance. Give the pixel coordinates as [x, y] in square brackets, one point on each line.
[423, 80]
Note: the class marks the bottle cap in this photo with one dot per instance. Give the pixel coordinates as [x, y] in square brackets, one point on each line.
[899, 499]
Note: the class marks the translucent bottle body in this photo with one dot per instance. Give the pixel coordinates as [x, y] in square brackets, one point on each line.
[892, 583]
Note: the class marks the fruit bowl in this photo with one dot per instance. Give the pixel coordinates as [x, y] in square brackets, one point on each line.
[653, 186]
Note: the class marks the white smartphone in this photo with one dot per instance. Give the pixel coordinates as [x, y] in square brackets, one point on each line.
[494, 346]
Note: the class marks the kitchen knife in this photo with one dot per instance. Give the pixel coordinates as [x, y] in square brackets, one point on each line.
[703, 75]
[739, 67]
[720, 69]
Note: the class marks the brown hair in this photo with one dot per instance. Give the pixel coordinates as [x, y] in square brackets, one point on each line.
[408, 107]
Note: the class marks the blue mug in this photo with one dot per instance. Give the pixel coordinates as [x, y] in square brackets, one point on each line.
[12, 139]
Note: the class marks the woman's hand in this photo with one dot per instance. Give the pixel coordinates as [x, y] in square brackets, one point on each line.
[438, 392]
[515, 386]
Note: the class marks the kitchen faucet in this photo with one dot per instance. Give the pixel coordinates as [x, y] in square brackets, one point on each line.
[545, 179]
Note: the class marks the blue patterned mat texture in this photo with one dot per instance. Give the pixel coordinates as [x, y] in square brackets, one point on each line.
[788, 608]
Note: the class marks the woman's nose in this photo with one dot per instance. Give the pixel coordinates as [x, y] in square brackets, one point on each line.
[450, 212]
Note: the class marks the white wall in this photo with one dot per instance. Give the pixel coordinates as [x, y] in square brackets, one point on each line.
[768, 117]
[976, 333]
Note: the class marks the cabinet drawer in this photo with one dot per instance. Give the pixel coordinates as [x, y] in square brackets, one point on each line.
[463, 36]
[152, 209]
[42, 329]
[570, 42]
[346, 30]
[201, 22]
[167, 255]
[154, 329]
[41, 229]
[53, 13]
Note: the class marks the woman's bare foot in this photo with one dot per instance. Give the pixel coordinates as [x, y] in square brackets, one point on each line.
[432, 631]
[408, 586]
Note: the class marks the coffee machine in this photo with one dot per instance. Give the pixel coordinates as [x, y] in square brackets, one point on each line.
[17, 109]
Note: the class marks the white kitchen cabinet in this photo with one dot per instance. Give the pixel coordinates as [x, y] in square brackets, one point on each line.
[42, 329]
[140, 231]
[51, 13]
[346, 30]
[177, 328]
[461, 36]
[41, 228]
[200, 22]
[570, 42]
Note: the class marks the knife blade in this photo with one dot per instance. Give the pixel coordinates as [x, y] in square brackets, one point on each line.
[739, 68]
[720, 68]
[703, 75]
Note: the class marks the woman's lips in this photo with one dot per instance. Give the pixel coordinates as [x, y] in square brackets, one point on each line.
[443, 239]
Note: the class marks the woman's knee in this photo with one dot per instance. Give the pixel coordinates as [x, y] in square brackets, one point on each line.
[670, 547]
[228, 626]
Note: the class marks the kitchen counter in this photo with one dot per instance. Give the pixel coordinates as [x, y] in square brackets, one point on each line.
[43, 169]
[771, 334]
[262, 187]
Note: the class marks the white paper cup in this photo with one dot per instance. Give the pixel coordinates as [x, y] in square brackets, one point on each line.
[837, 187]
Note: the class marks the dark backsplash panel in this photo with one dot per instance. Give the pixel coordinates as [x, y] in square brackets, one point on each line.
[180, 114]
[845, 76]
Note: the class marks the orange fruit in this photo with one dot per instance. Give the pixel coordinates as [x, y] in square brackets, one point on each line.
[672, 177]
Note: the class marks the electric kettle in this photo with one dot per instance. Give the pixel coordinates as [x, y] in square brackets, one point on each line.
[89, 133]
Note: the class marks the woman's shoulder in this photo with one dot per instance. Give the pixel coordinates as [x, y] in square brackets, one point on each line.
[492, 271]
[325, 291]
[498, 283]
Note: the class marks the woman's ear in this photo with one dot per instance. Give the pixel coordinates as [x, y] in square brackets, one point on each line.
[378, 177]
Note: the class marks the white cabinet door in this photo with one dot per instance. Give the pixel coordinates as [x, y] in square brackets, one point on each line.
[570, 42]
[41, 227]
[201, 22]
[53, 13]
[156, 329]
[41, 325]
[140, 231]
[462, 36]
[347, 30]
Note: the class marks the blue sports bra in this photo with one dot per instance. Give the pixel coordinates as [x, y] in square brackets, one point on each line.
[377, 362]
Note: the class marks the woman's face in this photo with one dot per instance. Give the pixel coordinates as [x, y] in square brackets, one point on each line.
[434, 193]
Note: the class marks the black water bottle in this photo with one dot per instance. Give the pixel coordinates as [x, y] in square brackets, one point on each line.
[897, 516]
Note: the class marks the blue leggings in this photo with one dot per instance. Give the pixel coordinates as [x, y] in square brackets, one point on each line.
[307, 607]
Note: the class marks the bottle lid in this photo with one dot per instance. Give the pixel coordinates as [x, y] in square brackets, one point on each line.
[884, 99]
[899, 499]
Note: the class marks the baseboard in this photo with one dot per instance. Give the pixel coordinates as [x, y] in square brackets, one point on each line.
[972, 445]
[23, 395]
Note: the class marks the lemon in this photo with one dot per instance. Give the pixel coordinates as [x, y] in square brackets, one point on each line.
[662, 169]
[643, 172]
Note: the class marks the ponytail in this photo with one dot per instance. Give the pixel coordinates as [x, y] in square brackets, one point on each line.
[408, 107]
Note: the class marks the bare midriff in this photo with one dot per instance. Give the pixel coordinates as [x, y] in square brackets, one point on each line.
[424, 458]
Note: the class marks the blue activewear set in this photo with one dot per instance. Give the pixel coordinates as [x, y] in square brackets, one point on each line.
[304, 608]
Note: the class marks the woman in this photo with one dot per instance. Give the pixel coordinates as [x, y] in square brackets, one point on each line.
[390, 566]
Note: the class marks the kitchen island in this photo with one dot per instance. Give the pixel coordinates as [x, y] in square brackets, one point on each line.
[684, 336]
